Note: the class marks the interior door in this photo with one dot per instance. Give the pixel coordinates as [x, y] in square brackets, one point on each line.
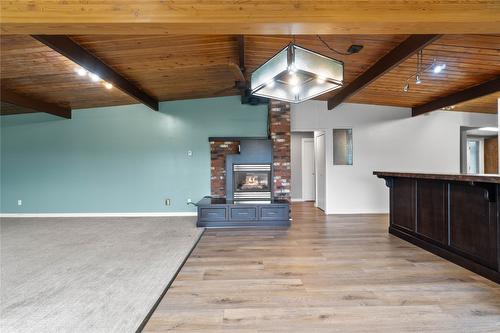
[308, 172]
[320, 167]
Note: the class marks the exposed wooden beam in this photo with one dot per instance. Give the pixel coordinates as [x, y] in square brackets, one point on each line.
[11, 97]
[250, 17]
[241, 52]
[396, 56]
[483, 89]
[68, 48]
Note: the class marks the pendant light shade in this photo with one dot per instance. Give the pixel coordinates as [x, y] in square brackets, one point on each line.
[296, 74]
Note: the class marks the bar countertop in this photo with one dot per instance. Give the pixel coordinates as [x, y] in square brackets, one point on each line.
[460, 177]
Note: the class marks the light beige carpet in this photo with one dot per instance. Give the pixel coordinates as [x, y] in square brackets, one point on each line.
[88, 274]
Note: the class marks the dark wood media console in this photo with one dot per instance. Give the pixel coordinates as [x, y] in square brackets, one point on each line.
[221, 213]
[453, 216]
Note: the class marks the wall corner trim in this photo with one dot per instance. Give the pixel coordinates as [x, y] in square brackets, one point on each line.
[141, 214]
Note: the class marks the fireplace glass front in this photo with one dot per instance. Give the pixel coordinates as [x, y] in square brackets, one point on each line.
[252, 181]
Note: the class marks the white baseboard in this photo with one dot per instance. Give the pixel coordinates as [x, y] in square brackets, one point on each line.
[145, 214]
[381, 212]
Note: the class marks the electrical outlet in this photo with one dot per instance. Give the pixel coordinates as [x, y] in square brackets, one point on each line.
[168, 202]
[19, 202]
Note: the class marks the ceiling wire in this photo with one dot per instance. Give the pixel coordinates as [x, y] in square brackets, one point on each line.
[331, 48]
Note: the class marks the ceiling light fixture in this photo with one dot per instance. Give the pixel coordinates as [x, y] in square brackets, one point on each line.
[94, 77]
[436, 67]
[448, 108]
[294, 80]
[108, 85]
[488, 129]
[320, 80]
[417, 79]
[81, 71]
[295, 72]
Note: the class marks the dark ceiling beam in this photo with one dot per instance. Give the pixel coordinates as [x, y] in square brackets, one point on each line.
[34, 104]
[71, 50]
[241, 52]
[483, 89]
[400, 53]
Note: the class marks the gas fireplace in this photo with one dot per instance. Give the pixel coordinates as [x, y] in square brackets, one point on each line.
[252, 181]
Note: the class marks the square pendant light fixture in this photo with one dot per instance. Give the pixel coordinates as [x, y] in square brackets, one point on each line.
[296, 74]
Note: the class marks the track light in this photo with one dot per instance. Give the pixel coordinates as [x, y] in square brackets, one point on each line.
[406, 87]
[417, 79]
[108, 85]
[81, 71]
[438, 68]
[94, 77]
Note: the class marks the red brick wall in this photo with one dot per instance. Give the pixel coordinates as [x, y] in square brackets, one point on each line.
[218, 152]
[279, 126]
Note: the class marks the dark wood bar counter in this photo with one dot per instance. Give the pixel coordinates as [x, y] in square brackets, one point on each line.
[454, 216]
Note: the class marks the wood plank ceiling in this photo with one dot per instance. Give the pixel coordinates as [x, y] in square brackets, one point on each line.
[262, 17]
[470, 60]
[195, 66]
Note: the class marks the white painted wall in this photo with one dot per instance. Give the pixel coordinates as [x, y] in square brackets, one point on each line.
[386, 139]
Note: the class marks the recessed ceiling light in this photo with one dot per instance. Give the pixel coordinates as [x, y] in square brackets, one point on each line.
[489, 129]
[81, 71]
[94, 77]
[108, 85]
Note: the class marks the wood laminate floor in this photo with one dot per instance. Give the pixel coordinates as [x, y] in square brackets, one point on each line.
[324, 274]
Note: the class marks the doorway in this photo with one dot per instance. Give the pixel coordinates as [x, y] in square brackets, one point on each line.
[303, 181]
[320, 166]
[479, 150]
[308, 172]
[473, 158]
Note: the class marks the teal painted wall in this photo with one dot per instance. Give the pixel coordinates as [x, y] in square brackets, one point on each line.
[118, 159]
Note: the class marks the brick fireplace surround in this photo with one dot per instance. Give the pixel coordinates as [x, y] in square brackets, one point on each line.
[279, 133]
